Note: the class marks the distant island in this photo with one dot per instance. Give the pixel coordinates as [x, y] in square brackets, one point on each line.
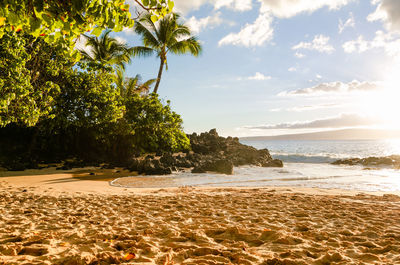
[345, 134]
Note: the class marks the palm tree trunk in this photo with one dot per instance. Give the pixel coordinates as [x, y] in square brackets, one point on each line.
[159, 75]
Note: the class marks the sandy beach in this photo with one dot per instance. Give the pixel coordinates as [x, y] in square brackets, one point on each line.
[76, 217]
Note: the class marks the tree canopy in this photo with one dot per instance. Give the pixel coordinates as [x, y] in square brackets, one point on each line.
[106, 51]
[51, 111]
[168, 35]
[62, 22]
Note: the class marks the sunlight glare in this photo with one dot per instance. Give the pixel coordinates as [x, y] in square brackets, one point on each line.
[385, 103]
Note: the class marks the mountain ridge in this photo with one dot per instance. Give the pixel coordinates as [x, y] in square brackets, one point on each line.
[344, 134]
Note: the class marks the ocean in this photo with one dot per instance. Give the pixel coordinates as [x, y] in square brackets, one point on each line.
[306, 164]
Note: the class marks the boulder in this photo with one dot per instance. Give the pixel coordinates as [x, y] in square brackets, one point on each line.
[211, 144]
[222, 166]
[217, 166]
[370, 161]
[168, 160]
[149, 166]
[198, 169]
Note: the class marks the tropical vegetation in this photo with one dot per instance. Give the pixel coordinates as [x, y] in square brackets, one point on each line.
[59, 103]
[62, 22]
[168, 35]
[105, 51]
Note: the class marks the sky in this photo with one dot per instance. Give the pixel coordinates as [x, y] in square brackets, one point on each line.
[273, 67]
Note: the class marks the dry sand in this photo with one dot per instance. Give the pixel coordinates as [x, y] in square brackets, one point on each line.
[49, 217]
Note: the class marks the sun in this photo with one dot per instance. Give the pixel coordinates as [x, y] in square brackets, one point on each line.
[390, 101]
[384, 104]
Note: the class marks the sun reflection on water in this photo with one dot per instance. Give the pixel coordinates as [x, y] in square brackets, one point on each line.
[393, 146]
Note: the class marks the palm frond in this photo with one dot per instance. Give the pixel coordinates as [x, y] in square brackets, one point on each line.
[190, 45]
[142, 51]
[147, 36]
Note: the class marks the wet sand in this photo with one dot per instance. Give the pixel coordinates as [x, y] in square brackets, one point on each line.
[73, 218]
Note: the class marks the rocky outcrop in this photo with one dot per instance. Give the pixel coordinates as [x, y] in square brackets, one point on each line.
[231, 149]
[210, 152]
[219, 166]
[150, 166]
[393, 161]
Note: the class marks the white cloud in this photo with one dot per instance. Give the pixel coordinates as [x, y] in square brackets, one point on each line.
[197, 25]
[290, 8]
[349, 23]
[257, 76]
[319, 43]
[341, 121]
[333, 87]
[184, 6]
[292, 69]
[387, 11]
[390, 42]
[359, 45]
[121, 40]
[307, 108]
[255, 34]
[261, 30]
[318, 76]
[239, 5]
[128, 31]
[299, 55]
[278, 8]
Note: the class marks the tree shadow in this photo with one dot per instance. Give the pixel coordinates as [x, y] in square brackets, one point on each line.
[79, 174]
[95, 175]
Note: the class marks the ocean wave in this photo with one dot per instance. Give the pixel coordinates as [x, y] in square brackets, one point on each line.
[305, 158]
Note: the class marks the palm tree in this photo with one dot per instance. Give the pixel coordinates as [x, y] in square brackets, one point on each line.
[107, 51]
[127, 85]
[167, 35]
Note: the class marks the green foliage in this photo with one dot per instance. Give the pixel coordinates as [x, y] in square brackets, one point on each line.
[51, 110]
[128, 85]
[86, 99]
[106, 52]
[27, 78]
[156, 127]
[168, 35]
[62, 22]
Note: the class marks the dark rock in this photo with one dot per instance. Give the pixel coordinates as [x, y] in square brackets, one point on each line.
[273, 163]
[213, 132]
[210, 152]
[370, 161]
[210, 147]
[64, 167]
[108, 166]
[222, 166]
[168, 160]
[134, 165]
[185, 163]
[218, 166]
[198, 169]
[149, 166]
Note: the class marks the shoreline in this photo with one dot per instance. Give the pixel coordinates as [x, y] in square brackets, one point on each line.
[92, 180]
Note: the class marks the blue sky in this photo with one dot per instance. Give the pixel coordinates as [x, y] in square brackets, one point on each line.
[283, 66]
